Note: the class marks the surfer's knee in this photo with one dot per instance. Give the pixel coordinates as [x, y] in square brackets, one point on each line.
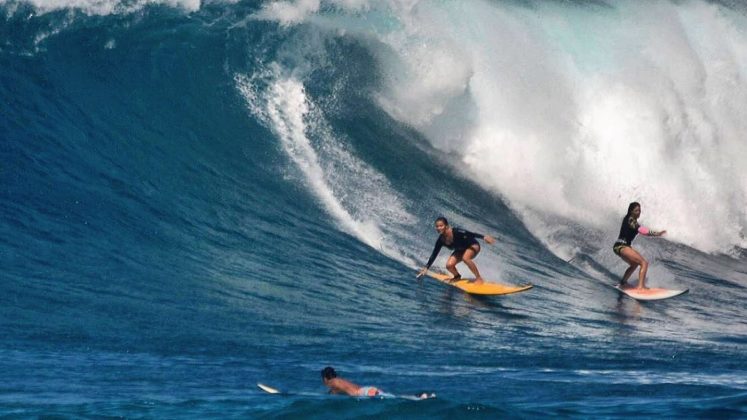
[451, 264]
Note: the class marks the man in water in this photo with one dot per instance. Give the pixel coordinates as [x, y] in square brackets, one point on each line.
[339, 385]
[465, 246]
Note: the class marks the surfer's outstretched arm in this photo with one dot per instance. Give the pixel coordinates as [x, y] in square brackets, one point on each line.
[643, 230]
[434, 254]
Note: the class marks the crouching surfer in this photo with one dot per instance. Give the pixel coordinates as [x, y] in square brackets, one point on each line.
[464, 245]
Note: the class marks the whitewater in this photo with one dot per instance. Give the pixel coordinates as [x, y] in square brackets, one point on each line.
[196, 196]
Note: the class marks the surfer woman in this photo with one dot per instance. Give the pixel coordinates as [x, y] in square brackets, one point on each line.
[465, 246]
[622, 247]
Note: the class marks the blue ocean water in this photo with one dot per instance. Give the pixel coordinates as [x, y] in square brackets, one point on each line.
[198, 197]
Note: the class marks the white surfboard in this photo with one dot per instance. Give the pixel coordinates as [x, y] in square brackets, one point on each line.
[656, 293]
[267, 389]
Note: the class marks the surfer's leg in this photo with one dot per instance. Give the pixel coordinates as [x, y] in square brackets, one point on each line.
[451, 265]
[467, 257]
[632, 257]
[631, 266]
[628, 273]
[368, 391]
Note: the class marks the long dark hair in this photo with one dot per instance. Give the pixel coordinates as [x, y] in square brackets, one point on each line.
[442, 219]
[632, 207]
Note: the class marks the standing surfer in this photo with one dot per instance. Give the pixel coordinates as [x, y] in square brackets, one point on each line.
[463, 243]
[622, 247]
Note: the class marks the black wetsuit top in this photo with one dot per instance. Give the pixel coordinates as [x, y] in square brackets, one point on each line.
[463, 239]
[628, 231]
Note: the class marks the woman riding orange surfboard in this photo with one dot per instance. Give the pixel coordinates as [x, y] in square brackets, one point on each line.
[463, 243]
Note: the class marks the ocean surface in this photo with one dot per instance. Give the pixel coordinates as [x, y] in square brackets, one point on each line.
[197, 196]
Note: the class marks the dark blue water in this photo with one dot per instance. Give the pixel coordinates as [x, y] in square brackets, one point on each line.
[197, 199]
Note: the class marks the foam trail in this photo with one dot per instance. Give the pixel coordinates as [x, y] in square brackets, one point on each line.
[103, 7]
[359, 198]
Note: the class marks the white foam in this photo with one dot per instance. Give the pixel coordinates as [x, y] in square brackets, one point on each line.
[106, 7]
[287, 12]
[576, 111]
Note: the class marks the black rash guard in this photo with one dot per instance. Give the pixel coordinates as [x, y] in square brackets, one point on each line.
[463, 239]
[628, 231]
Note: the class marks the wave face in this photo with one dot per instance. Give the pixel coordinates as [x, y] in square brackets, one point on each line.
[198, 196]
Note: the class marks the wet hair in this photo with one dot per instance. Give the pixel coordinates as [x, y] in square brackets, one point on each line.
[442, 219]
[632, 207]
[329, 373]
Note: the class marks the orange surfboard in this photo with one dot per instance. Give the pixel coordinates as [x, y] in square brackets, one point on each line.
[487, 288]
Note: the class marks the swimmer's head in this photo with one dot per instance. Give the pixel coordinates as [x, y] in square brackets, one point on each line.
[328, 373]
